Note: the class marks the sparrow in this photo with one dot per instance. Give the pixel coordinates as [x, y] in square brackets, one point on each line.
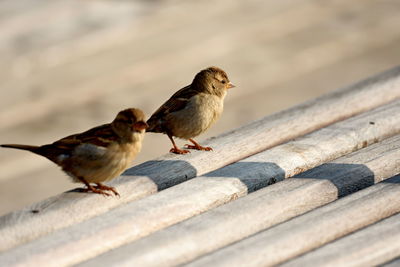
[192, 109]
[99, 154]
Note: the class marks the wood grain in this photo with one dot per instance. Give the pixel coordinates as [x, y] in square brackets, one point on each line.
[270, 166]
[83, 65]
[250, 174]
[311, 230]
[372, 245]
[280, 202]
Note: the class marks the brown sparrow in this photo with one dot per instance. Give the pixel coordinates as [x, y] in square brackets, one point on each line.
[192, 109]
[99, 154]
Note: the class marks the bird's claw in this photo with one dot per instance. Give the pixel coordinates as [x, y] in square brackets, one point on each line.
[97, 191]
[102, 187]
[179, 151]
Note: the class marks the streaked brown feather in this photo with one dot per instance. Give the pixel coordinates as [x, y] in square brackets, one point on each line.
[175, 103]
[101, 135]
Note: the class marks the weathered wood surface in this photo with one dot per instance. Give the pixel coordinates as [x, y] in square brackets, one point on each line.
[106, 55]
[370, 246]
[311, 230]
[232, 222]
[104, 67]
[267, 167]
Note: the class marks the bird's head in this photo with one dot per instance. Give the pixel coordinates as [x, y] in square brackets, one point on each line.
[129, 122]
[213, 80]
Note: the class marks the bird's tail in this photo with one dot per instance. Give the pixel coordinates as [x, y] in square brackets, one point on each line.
[23, 147]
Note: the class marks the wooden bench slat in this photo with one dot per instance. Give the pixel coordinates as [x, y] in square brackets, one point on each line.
[203, 193]
[311, 230]
[70, 208]
[370, 246]
[73, 204]
[293, 157]
[232, 222]
[318, 147]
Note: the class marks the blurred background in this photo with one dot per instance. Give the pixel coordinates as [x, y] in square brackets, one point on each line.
[69, 65]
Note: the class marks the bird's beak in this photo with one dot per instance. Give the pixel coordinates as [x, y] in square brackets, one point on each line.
[140, 125]
[230, 85]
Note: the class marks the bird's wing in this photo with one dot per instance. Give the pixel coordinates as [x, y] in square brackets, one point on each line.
[100, 136]
[175, 103]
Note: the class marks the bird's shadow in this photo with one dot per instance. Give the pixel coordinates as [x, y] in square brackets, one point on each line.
[164, 173]
[167, 173]
[255, 175]
[348, 178]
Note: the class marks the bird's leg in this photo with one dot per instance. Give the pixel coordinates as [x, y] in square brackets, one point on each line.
[104, 187]
[175, 149]
[197, 146]
[91, 188]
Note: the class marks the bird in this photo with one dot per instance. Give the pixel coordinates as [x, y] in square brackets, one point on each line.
[98, 154]
[192, 109]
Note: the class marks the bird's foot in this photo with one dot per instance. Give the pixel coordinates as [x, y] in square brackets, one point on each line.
[179, 151]
[198, 147]
[96, 191]
[107, 188]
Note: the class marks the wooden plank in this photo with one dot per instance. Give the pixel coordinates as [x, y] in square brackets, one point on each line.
[292, 158]
[232, 222]
[311, 230]
[370, 246]
[253, 75]
[132, 221]
[51, 181]
[143, 217]
[311, 150]
[257, 136]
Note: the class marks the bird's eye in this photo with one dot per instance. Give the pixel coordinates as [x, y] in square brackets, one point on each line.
[223, 81]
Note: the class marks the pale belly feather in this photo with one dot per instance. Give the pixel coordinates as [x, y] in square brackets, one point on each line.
[201, 112]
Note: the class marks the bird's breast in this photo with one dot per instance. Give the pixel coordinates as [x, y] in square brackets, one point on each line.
[99, 164]
[199, 114]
